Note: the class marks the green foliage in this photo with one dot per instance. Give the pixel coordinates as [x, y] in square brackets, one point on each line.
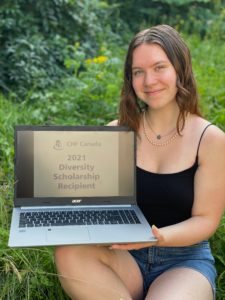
[217, 27]
[187, 15]
[209, 73]
[34, 36]
[218, 248]
[28, 274]
[89, 96]
[36, 64]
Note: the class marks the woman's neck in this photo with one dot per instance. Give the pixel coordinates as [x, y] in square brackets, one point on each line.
[163, 120]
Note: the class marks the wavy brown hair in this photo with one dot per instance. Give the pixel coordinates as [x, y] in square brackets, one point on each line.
[179, 55]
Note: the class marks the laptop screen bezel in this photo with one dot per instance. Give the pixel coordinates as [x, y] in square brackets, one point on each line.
[74, 201]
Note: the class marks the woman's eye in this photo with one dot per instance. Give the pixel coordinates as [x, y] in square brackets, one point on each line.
[137, 73]
[159, 68]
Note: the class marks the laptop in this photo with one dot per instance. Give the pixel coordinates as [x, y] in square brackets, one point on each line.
[76, 185]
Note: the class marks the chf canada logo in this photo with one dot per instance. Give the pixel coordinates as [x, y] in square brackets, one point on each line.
[58, 145]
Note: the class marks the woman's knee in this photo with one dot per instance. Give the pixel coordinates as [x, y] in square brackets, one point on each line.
[62, 251]
[65, 256]
[181, 283]
[74, 256]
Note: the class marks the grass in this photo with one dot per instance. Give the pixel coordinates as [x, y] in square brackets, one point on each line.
[90, 98]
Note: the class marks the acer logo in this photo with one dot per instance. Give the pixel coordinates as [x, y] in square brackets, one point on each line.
[76, 200]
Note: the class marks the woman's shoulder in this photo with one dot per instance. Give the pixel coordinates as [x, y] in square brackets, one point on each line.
[212, 138]
[209, 129]
[113, 123]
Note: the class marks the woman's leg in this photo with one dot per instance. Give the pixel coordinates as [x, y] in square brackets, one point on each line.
[180, 284]
[97, 273]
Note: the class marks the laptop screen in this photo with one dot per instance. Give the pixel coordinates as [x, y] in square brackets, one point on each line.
[66, 164]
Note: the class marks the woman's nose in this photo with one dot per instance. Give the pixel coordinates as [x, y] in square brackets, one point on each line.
[149, 79]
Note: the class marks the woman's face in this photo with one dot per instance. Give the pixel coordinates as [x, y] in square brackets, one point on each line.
[153, 76]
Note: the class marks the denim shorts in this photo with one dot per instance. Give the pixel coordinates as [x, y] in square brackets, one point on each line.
[155, 260]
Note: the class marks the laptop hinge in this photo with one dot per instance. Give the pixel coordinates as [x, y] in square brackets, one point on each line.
[73, 206]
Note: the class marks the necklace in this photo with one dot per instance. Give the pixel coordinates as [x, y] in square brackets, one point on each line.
[158, 136]
[154, 143]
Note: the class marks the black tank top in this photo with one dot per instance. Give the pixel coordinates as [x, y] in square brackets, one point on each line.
[167, 199]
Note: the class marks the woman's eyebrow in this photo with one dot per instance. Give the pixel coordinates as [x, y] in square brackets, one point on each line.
[154, 64]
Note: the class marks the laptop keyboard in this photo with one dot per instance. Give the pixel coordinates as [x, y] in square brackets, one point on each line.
[82, 217]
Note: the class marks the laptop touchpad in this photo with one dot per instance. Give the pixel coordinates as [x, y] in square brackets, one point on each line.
[73, 234]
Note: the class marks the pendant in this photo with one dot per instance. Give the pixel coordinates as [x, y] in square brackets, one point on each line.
[158, 137]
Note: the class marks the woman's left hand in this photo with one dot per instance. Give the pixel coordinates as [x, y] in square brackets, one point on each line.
[136, 246]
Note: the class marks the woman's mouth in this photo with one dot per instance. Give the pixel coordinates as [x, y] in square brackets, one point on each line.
[153, 92]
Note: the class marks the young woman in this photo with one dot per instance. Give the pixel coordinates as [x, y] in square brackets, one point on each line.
[180, 185]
